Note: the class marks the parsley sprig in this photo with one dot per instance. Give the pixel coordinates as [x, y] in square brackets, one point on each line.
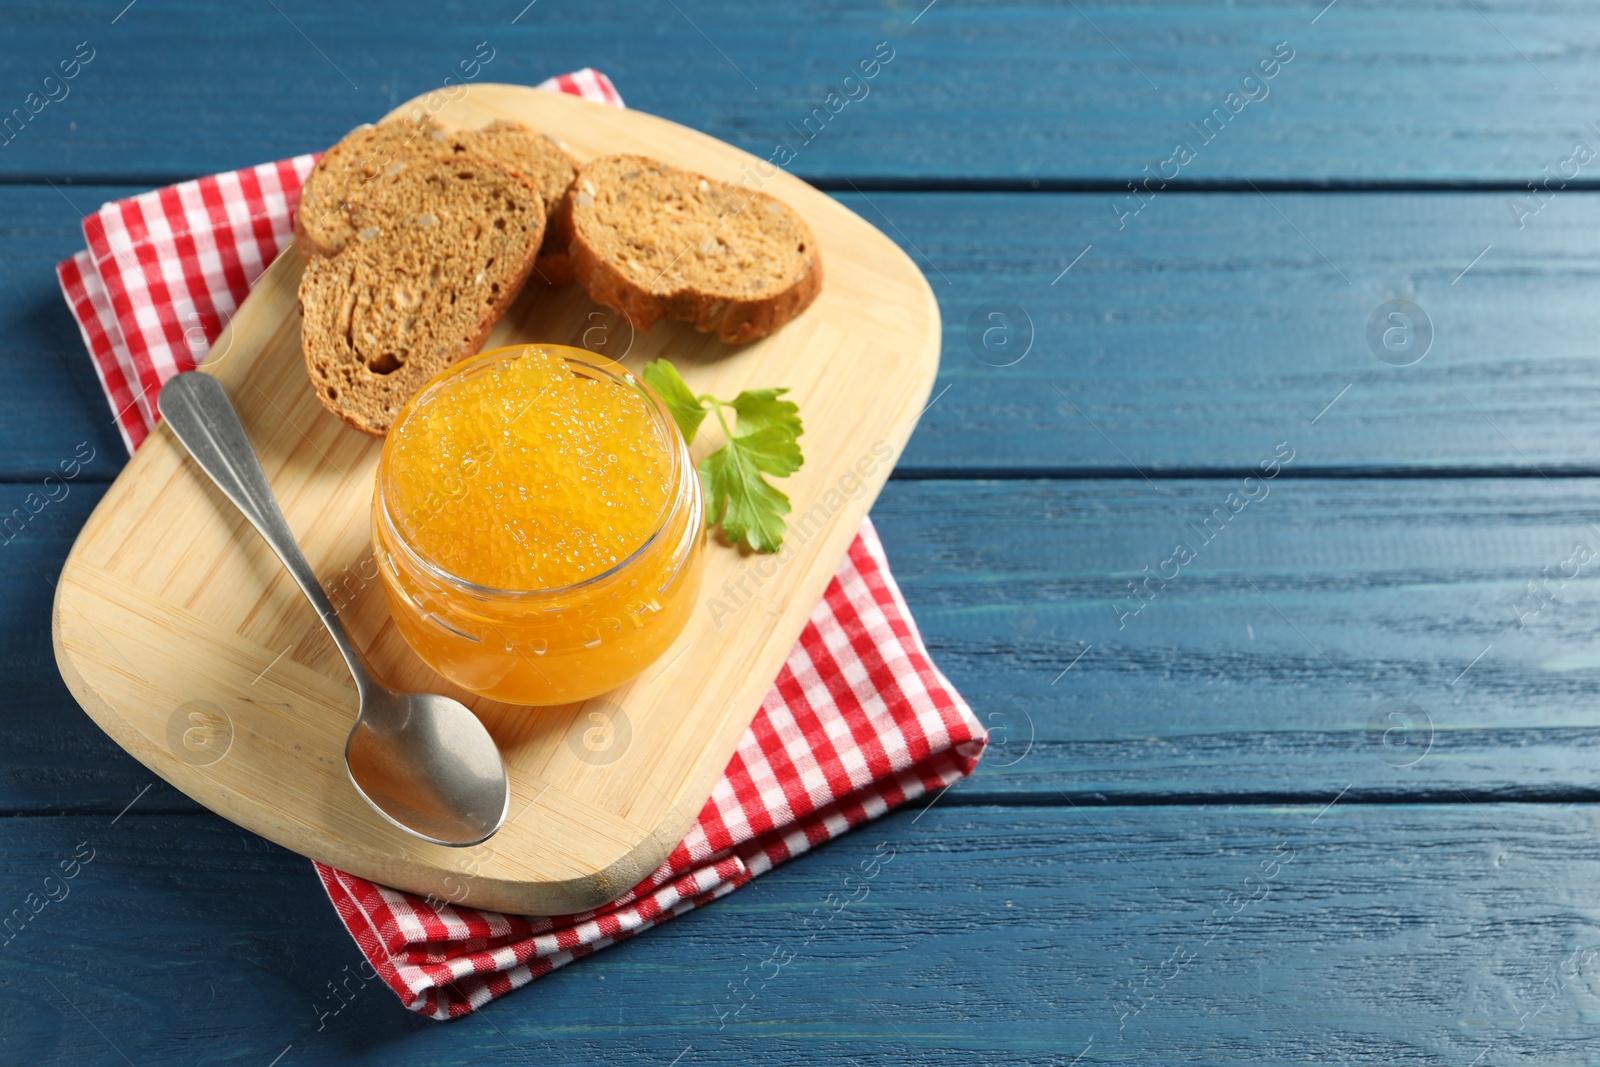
[764, 439]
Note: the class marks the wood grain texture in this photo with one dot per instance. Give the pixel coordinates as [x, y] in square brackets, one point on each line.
[1017, 91]
[1206, 693]
[148, 625]
[54, 758]
[1215, 325]
[1214, 935]
[1271, 664]
[53, 402]
[1205, 332]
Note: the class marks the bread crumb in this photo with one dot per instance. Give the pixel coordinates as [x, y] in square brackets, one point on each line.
[368, 234]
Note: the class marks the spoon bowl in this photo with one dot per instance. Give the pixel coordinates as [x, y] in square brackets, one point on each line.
[417, 759]
[423, 761]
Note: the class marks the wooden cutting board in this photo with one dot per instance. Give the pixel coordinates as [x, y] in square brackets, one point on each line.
[185, 640]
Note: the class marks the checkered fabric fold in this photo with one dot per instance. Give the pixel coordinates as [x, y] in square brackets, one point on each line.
[858, 722]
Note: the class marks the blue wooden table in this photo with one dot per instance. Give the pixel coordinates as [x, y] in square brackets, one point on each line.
[1318, 787]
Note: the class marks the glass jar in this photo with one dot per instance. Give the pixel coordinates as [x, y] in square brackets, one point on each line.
[545, 646]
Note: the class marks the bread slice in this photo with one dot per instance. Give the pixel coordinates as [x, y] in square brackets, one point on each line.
[367, 155]
[439, 251]
[651, 241]
[543, 161]
[374, 155]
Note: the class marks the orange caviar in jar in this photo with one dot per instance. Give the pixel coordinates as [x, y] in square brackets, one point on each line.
[538, 525]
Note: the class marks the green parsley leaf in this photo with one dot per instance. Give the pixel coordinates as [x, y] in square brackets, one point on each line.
[764, 440]
[771, 449]
[686, 411]
[761, 408]
[747, 507]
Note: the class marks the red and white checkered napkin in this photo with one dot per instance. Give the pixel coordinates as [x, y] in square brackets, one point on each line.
[858, 722]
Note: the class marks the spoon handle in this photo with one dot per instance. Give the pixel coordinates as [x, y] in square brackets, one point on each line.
[198, 410]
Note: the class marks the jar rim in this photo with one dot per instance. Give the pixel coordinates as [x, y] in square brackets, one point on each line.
[597, 365]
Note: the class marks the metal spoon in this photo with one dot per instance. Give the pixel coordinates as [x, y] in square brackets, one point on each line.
[424, 762]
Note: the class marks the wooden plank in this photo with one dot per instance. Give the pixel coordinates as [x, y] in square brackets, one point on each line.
[1207, 692]
[54, 404]
[1238, 935]
[1216, 325]
[54, 758]
[1331, 633]
[1197, 338]
[1090, 91]
[145, 626]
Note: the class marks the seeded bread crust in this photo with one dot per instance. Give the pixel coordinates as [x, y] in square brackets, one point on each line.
[652, 241]
[439, 252]
[374, 155]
